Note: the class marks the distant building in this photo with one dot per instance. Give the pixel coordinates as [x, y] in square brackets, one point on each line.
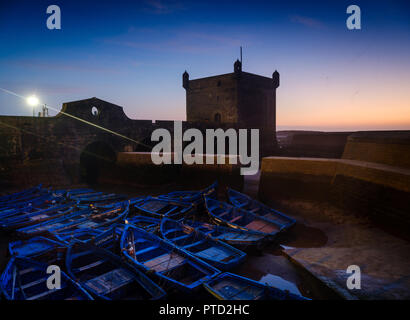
[240, 98]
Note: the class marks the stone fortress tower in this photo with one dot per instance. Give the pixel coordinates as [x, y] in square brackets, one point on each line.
[239, 98]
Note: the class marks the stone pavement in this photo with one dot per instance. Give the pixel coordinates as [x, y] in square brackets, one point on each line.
[383, 258]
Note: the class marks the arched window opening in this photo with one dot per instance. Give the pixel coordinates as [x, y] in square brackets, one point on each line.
[94, 111]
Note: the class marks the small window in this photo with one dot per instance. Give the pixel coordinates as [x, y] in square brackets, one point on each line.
[217, 118]
[94, 111]
[219, 83]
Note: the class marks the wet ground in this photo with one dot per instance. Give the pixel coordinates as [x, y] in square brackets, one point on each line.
[340, 239]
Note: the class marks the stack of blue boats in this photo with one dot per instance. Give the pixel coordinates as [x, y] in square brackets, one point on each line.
[110, 247]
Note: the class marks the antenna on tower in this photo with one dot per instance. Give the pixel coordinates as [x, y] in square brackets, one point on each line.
[241, 55]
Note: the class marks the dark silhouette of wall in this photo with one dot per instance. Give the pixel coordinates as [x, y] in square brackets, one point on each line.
[56, 150]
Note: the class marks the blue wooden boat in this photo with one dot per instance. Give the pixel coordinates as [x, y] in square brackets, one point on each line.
[38, 203]
[215, 252]
[26, 279]
[30, 218]
[229, 286]
[107, 276]
[101, 198]
[223, 213]
[18, 195]
[195, 198]
[85, 218]
[159, 208]
[24, 200]
[149, 224]
[98, 219]
[82, 235]
[136, 200]
[84, 195]
[73, 192]
[235, 237]
[170, 265]
[245, 202]
[40, 249]
[100, 237]
[44, 227]
[33, 247]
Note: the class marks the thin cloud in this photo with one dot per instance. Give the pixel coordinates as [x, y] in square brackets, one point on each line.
[177, 41]
[307, 21]
[162, 7]
[46, 88]
[61, 66]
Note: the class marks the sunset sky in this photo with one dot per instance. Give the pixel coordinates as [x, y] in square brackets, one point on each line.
[133, 53]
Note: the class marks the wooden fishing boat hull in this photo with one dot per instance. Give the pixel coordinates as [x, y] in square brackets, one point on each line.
[159, 208]
[33, 247]
[103, 238]
[44, 227]
[26, 279]
[149, 224]
[229, 286]
[40, 249]
[24, 200]
[106, 276]
[214, 252]
[168, 264]
[223, 213]
[96, 220]
[19, 195]
[36, 217]
[242, 239]
[33, 205]
[245, 202]
[102, 198]
[195, 198]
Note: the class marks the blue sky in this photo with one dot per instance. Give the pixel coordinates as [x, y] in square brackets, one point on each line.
[133, 53]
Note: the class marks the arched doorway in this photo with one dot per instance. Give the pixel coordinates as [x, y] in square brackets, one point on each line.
[96, 157]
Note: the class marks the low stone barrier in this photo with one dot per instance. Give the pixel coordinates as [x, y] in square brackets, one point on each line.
[137, 168]
[380, 192]
[385, 147]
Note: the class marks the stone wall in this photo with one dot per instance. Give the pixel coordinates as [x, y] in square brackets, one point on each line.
[378, 191]
[388, 147]
[77, 146]
[137, 168]
[210, 96]
[312, 144]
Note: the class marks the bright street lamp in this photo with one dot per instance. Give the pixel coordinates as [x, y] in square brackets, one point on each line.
[32, 101]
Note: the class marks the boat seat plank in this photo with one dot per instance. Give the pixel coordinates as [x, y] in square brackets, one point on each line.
[256, 225]
[172, 230]
[181, 237]
[235, 219]
[110, 281]
[42, 294]
[194, 244]
[213, 253]
[223, 214]
[164, 262]
[33, 283]
[89, 266]
[145, 250]
[24, 271]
